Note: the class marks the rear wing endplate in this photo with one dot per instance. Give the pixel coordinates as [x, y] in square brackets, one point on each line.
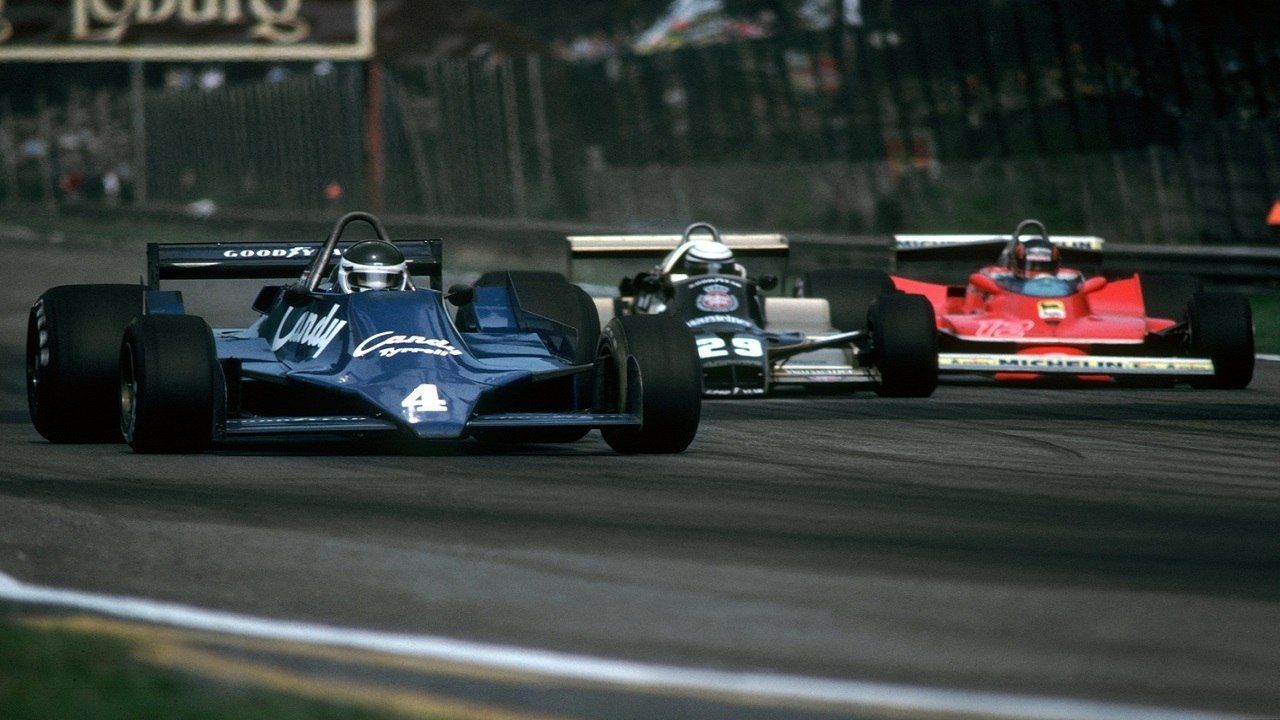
[268, 260]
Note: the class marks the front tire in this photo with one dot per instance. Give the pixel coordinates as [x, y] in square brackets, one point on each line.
[904, 340]
[1221, 328]
[172, 392]
[659, 352]
[73, 341]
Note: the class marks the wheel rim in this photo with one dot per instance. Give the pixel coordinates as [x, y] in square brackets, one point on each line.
[128, 394]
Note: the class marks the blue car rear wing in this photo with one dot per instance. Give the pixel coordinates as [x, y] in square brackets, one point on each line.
[268, 260]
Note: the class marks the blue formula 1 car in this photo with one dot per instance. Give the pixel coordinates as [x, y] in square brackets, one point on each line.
[353, 348]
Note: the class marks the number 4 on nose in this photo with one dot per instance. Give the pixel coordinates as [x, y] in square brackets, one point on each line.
[424, 398]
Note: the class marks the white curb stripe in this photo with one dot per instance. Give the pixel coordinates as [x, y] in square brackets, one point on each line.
[624, 673]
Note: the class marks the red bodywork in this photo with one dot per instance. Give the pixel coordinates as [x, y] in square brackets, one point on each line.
[1092, 321]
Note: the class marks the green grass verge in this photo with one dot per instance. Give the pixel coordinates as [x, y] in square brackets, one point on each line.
[56, 675]
[1266, 322]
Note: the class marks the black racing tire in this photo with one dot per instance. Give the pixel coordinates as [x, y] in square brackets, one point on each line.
[662, 349]
[1166, 296]
[172, 392]
[73, 360]
[904, 345]
[850, 293]
[499, 277]
[1220, 325]
[553, 297]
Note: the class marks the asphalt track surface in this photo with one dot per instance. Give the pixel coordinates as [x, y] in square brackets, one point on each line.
[1113, 545]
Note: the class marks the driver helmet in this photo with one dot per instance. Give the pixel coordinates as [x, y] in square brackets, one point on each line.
[372, 265]
[1036, 256]
[707, 257]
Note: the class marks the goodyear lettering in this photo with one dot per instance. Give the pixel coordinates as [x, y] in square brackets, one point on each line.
[292, 252]
[716, 280]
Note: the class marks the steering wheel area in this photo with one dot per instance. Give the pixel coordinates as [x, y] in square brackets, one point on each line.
[312, 276]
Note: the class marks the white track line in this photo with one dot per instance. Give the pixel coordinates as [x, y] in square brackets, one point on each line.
[627, 675]
[1272, 358]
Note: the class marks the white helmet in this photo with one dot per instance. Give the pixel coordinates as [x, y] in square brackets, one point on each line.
[707, 257]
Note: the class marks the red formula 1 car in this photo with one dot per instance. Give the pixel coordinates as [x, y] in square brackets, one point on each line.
[1027, 318]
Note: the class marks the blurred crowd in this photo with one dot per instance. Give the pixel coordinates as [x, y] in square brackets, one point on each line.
[698, 23]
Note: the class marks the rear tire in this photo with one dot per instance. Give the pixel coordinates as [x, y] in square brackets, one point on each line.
[73, 360]
[172, 393]
[1166, 296]
[904, 338]
[548, 294]
[670, 392]
[1221, 328]
[849, 292]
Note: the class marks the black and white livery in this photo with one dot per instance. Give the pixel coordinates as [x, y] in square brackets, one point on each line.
[751, 344]
[353, 347]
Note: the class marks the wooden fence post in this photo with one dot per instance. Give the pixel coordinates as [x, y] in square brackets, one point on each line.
[8, 153]
[137, 106]
[541, 131]
[47, 179]
[375, 162]
[515, 154]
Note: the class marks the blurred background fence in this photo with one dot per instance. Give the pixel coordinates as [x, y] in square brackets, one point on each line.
[1142, 120]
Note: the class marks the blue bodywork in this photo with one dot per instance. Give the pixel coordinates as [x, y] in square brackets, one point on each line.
[395, 360]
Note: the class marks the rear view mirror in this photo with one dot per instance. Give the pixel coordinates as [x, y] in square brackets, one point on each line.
[648, 282]
[767, 282]
[296, 295]
[460, 294]
[266, 298]
[1093, 284]
[984, 283]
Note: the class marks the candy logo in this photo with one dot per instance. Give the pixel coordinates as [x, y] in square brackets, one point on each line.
[310, 330]
[717, 299]
[388, 344]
